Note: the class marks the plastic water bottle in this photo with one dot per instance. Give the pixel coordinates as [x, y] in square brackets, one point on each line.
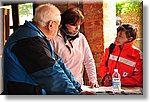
[116, 83]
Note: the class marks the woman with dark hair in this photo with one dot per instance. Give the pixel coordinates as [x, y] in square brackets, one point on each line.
[73, 47]
[124, 57]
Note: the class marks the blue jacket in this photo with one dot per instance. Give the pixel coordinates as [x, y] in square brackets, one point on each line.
[32, 67]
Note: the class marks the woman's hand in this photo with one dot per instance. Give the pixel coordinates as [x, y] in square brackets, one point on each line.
[94, 84]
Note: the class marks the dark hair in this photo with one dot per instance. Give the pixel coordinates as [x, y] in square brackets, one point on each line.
[71, 16]
[131, 30]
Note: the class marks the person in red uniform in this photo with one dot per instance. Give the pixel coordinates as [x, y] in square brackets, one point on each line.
[124, 57]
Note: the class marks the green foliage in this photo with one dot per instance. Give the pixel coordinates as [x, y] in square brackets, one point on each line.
[125, 6]
[25, 9]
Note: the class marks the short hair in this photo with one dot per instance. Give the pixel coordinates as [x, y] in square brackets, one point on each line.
[130, 30]
[71, 16]
[45, 13]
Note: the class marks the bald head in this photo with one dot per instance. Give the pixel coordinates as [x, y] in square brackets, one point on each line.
[46, 12]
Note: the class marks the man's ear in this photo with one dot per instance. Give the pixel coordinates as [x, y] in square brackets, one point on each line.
[49, 25]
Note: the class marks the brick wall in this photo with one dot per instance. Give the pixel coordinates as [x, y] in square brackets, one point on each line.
[93, 28]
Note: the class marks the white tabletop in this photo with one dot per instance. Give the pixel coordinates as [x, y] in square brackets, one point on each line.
[109, 90]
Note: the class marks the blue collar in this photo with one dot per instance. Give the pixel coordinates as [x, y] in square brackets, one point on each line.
[31, 25]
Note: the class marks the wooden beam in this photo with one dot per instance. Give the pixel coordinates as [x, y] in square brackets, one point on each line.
[15, 16]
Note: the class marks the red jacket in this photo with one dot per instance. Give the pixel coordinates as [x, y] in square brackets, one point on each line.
[129, 65]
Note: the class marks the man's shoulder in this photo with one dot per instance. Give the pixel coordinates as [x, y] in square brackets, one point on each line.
[136, 49]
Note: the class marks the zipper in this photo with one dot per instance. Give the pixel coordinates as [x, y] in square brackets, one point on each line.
[118, 57]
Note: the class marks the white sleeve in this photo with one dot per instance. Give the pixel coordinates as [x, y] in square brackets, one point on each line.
[89, 62]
